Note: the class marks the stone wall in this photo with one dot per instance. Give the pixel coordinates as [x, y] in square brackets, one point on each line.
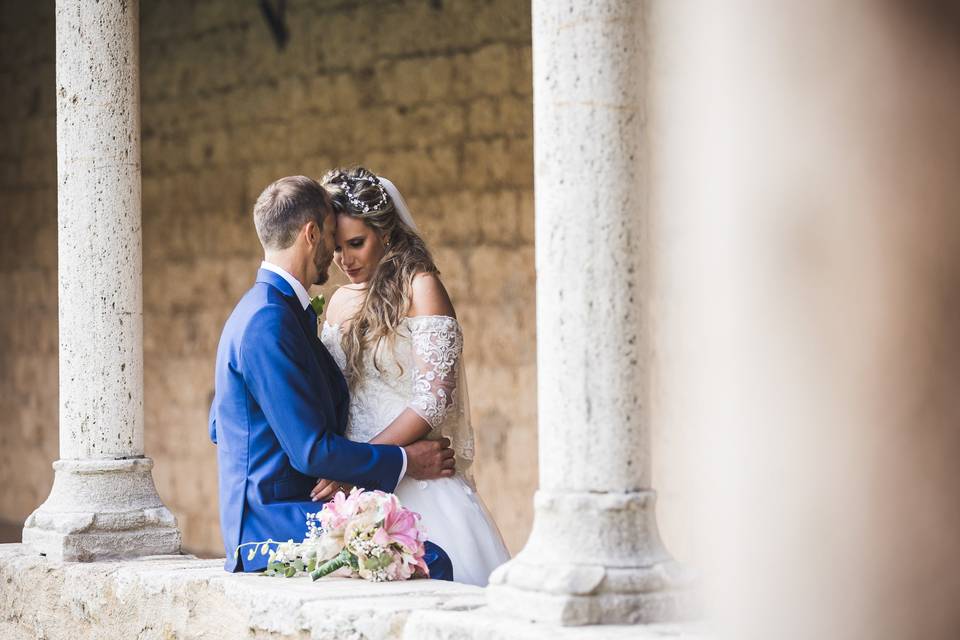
[28, 258]
[436, 95]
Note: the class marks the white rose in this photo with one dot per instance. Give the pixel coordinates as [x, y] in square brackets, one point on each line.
[328, 547]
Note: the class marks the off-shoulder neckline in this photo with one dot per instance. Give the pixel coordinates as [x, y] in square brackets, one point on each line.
[337, 325]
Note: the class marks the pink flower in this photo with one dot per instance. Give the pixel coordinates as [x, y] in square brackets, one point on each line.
[400, 526]
[337, 512]
[415, 561]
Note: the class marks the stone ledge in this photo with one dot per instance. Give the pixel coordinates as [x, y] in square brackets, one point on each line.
[183, 597]
[482, 624]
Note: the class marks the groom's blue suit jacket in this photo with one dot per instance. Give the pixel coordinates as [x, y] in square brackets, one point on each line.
[278, 418]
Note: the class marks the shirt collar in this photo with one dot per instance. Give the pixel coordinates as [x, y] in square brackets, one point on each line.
[298, 289]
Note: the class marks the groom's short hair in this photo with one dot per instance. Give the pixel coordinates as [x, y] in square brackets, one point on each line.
[285, 206]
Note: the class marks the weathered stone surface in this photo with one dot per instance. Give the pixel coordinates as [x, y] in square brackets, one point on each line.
[484, 624]
[100, 286]
[182, 597]
[102, 509]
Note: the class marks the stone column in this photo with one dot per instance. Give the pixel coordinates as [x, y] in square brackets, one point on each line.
[103, 502]
[594, 555]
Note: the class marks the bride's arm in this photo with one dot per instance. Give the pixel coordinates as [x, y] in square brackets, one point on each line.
[405, 429]
[430, 399]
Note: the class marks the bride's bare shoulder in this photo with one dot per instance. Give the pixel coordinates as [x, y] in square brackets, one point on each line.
[343, 304]
[429, 297]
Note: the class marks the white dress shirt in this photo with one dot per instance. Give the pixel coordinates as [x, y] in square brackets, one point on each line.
[304, 299]
[298, 289]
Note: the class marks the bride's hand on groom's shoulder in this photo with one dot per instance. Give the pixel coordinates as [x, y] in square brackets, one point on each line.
[325, 489]
[430, 459]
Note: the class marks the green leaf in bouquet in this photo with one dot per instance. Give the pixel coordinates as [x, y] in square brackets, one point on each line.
[298, 565]
[312, 565]
[318, 303]
[290, 572]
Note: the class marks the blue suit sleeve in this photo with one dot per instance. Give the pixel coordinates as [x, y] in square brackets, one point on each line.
[213, 421]
[275, 363]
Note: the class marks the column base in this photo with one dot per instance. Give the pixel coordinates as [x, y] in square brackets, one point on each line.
[616, 598]
[102, 509]
[594, 558]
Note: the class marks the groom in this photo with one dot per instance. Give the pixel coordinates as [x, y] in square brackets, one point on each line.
[280, 402]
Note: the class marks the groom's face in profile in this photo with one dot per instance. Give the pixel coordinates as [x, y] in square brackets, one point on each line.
[324, 252]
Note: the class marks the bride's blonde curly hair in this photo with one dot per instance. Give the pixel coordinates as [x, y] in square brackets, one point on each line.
[358, 193]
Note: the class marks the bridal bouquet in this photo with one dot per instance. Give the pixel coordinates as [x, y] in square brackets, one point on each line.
[367, 534]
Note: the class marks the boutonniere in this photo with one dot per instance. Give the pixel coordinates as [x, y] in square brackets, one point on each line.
[317, 303]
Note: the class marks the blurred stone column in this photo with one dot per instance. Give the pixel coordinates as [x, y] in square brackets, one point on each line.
[814, 198]
[594, 555]
[103, 502]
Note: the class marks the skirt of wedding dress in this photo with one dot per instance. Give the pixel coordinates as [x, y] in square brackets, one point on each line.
[455, 518]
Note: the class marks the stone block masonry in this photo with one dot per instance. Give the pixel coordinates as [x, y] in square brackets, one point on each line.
[28, 258]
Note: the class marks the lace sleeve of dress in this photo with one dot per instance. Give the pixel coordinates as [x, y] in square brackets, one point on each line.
[330, 337]
[437, 343]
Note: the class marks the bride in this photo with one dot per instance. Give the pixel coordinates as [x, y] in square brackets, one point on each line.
[394, 333]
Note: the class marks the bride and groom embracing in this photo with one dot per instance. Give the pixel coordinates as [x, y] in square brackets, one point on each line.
[376, 401]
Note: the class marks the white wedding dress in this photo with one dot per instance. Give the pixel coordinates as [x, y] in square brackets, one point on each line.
[421, 370]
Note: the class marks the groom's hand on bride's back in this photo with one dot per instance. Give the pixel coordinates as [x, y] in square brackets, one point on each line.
[429, 459]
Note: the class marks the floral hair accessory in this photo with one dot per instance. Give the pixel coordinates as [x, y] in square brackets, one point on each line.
[350, 187]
